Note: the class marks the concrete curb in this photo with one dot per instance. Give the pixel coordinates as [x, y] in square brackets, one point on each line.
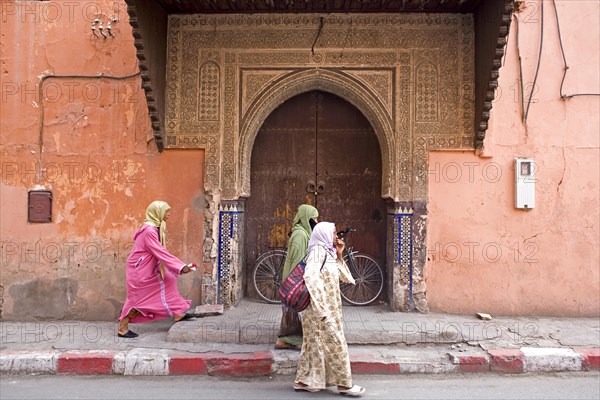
[143, 361]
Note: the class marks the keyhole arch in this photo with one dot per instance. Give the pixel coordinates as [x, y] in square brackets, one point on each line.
[331, 81]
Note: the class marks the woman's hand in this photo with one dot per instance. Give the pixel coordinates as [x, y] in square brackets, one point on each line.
[188, 268]
[339, 247]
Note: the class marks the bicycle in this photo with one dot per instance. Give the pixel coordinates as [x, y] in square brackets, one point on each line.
[267, 275]
[367, 273]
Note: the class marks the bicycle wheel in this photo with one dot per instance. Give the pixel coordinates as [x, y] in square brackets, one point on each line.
[369, 281]
[267, 275]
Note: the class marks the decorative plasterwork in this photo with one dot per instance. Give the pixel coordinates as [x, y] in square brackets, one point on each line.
[381, 83]
[253, 82]
[411, 75]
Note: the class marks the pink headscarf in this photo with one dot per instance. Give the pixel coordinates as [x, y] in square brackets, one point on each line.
[322, 235]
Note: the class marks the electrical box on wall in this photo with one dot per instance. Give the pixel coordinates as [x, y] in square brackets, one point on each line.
[39, 206]
[524, 183]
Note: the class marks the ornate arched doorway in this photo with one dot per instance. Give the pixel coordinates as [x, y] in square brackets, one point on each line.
[319, 149]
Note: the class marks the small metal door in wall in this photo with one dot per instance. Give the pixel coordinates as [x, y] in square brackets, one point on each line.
[315, 148]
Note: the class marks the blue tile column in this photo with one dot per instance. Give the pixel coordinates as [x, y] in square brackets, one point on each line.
[400, 273]
[404, 221]
[407, 256]
[230, 253]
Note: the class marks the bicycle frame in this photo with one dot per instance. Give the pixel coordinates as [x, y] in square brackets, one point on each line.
[366, 272]
[349, 255]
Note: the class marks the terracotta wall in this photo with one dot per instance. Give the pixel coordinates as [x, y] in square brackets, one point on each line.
[99, 160]
[487, 256]
[97, 157]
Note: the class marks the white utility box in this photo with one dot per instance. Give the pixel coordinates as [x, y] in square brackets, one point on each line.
[524, 183]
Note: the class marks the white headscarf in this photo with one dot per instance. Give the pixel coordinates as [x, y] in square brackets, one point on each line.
[322, 235]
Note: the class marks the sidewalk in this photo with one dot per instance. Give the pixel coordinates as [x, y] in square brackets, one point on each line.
[239, 343]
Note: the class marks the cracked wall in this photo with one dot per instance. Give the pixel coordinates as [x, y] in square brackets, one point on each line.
[95, 152]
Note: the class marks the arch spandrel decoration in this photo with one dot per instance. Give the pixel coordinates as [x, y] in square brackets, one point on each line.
[252, 84]
[332, 81]
[380, 82]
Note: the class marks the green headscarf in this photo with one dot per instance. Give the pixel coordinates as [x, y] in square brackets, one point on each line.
[298, 241]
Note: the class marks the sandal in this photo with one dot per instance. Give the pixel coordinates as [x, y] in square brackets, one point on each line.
[128, 335]
[281, 345]
[186, 317]
[354, 391]
[298, 386]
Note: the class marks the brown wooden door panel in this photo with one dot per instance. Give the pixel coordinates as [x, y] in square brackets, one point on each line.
[283, 162]
[317, 138]
[349, 168]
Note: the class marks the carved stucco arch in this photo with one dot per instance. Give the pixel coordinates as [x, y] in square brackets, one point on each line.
[331, 81]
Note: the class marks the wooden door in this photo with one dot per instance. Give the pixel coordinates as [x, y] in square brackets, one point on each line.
[315, 148]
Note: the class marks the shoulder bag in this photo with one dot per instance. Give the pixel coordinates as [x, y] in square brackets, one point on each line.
[293, 291]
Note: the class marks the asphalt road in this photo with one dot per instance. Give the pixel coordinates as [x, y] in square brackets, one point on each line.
[486, 386]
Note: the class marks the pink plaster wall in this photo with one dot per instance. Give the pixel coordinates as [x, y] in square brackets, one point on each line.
[487, 256]
[98, 158]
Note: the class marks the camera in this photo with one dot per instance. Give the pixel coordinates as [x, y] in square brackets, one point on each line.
[342, 234]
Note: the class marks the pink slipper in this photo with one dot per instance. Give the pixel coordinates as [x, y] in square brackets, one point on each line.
[354, 391]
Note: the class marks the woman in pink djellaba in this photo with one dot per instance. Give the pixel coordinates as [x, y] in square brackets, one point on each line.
[152, 271]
